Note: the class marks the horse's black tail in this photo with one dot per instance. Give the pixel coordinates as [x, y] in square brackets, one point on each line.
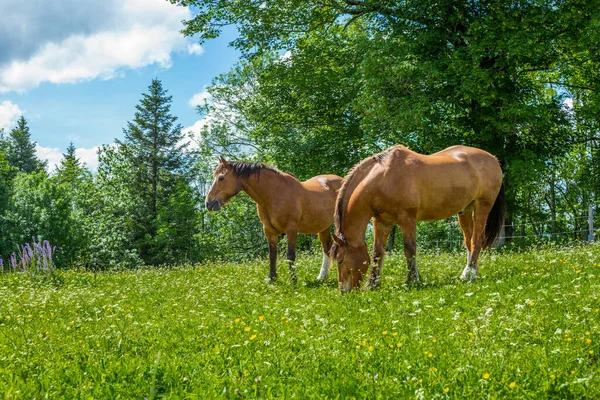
[495, 219]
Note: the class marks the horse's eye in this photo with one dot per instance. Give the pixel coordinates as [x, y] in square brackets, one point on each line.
[221, 177]
[341, 261]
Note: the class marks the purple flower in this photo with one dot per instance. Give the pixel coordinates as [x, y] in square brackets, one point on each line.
[36, 256]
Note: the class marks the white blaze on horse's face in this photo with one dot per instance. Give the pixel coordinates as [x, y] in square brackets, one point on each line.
[353, 263]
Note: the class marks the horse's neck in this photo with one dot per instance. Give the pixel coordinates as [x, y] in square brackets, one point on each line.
[260, 186]
[359, 213]
[355, 208]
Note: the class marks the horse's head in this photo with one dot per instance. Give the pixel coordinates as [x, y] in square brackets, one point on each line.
[352, 261]
[225, 186]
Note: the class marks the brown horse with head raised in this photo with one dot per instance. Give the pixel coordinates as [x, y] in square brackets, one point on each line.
[399, 186]
[285, 205]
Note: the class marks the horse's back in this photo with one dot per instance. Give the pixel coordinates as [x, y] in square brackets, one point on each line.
[328, 184]
[443, 183]
[477, 161]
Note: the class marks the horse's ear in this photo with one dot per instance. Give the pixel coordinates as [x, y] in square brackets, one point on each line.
[338, 239]
[222, 160]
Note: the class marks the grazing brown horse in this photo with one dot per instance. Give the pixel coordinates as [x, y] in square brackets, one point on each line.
[285, 205]
[399, 186]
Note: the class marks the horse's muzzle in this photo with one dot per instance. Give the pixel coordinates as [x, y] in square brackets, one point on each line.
[212, 205]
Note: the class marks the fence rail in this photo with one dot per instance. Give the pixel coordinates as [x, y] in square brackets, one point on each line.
[580, 228]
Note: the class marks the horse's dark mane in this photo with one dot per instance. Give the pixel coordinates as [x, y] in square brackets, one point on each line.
[355, 175]
[245, 169]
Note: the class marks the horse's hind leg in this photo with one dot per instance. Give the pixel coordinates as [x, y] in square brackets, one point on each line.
[409, 235]
[381, 232]
[291, 253]
[465, 220]
[326, 242]
[480, 214]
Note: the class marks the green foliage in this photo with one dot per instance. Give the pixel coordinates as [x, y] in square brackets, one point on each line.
[176, 225]
[40, 207]
[233, 233]
[112, 211]
[528, 328]
[7, 173]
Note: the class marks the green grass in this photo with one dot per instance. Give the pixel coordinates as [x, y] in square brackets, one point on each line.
[528, 328]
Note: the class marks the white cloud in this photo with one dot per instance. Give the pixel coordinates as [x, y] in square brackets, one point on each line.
[9, 113]
[195, 48]
[199, 98]
[139, 33]
[198, 127]
[53, 155]
[192, 133]
[88, 156]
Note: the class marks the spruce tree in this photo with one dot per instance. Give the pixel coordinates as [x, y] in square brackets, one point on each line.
[154, 145]
[21, 150]
[70, 170]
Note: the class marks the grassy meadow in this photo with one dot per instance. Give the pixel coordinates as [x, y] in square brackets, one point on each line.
[528, 328]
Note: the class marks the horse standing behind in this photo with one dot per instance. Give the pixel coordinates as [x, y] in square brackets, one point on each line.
[399, 186]
[285, 205]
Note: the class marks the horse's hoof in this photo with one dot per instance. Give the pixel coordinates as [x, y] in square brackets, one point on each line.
[469, 274]
[271, 279]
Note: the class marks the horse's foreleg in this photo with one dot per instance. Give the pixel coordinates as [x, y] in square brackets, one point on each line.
[272, 239]
[325, 238]
[381, 232]
[409, 236]
[480, 214]
[291, 253]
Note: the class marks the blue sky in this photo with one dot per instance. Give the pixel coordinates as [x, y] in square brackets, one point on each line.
[81, 82]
